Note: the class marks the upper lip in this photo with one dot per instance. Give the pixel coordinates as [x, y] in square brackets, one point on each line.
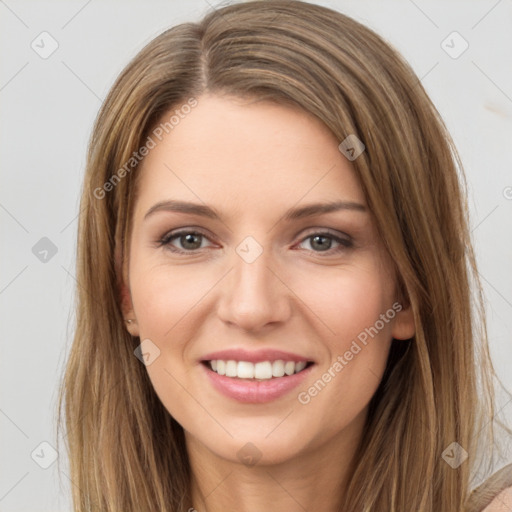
[254, 356]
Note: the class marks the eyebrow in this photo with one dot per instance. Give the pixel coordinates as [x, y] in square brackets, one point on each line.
[309, 210]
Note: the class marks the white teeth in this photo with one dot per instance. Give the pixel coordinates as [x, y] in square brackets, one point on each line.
[278, 368]
[263, 370]
[231, 369]
[245, 370]
[300, 366]
[221, 367]
[289, 368]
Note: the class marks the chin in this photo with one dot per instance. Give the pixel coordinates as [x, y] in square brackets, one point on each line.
[269, 442]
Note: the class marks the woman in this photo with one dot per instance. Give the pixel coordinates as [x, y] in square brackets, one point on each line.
[275, 266]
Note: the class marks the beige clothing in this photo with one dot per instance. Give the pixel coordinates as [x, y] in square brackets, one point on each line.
[494, 495]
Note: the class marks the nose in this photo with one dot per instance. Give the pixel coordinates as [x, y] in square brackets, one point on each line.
[253, 295]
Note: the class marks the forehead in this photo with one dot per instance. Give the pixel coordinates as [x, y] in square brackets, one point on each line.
[227, 150]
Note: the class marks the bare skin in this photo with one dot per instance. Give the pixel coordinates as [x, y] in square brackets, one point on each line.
[319, 282]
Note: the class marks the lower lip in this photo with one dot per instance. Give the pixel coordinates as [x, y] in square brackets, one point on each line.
[253, 391]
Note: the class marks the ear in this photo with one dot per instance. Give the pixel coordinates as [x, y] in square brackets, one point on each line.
[404, 327]
[130, 320]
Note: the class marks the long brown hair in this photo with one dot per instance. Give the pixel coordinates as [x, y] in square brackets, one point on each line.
[126, 452]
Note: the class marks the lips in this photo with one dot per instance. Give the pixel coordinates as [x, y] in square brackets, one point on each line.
[255, 376]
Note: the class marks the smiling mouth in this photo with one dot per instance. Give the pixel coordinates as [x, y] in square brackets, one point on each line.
[264, 370]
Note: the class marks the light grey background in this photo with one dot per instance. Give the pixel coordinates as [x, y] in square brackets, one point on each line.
[48, 107]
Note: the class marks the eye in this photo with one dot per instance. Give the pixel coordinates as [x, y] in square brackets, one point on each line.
[323, 242]
[187, 240]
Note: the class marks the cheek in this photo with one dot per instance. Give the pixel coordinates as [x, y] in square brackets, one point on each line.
[163, 296]
[356, 306]
[165, 299]
[352, 304]
[348, 300]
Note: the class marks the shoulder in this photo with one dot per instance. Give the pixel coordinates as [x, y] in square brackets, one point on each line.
[502, 502]
[494, 495]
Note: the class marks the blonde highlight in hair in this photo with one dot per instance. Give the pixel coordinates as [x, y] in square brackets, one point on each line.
[126, 452]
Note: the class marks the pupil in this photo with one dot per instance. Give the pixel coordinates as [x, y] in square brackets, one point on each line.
[190, 239]
[322, 242]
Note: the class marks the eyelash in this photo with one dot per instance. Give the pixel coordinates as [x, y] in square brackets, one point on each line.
[165, 241]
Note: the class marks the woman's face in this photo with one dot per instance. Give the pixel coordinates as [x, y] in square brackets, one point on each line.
[252, 246]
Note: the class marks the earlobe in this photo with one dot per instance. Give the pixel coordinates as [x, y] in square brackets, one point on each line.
[404, 327]
[127, 310]
[131, 326]
[125, 297]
